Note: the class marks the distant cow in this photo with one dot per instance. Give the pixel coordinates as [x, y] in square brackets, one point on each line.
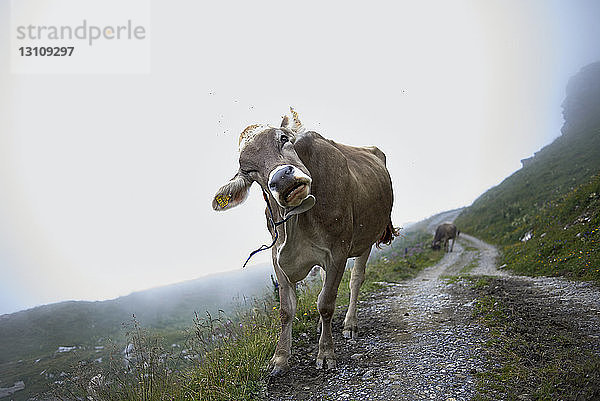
[326, 202]
[443, 233]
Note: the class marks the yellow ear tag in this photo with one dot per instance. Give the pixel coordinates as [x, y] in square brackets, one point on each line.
[223, 200]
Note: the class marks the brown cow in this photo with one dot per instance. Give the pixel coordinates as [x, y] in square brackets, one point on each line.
[443, 233]
[331, 202]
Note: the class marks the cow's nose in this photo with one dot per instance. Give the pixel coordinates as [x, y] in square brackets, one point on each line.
[281, 174]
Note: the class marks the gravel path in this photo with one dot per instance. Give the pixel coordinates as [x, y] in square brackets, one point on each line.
[418, 339]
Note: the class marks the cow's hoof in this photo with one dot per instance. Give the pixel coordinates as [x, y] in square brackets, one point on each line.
[350, 334]
[330, 362]
[279, 371]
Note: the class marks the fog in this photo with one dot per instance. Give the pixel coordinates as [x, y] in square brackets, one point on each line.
[106, 179]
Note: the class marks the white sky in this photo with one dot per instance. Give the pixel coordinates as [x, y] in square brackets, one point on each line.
[106, 180]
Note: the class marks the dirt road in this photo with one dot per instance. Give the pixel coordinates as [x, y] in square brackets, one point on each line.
[419, 340]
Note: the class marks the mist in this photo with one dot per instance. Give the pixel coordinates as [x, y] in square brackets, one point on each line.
[107, 179]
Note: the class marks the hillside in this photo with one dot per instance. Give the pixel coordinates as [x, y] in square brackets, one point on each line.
[505, 213]
[30, 351]
[564, 238]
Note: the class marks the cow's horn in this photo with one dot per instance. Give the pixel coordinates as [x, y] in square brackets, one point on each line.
[296, 124]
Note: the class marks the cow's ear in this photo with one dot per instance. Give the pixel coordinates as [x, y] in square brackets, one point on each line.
[232, 194]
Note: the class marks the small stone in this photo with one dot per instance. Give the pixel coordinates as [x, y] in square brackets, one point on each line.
[356, 356]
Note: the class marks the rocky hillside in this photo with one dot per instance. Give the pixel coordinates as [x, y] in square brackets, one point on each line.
[581, 108]
[505, 214]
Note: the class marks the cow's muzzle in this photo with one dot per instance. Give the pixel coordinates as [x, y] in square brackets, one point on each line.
[289, 185]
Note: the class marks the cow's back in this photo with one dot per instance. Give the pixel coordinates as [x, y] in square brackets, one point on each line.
[445, 230]
[353, 190]
[372, 194]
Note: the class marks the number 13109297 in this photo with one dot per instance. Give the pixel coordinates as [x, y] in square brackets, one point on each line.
[46, 51]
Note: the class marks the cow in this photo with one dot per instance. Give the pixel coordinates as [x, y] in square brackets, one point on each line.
[331, 202]
[443, 233]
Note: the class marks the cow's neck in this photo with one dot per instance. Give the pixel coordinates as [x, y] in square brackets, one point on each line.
[297, 252]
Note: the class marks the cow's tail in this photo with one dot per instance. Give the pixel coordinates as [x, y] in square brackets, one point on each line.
[388, 235]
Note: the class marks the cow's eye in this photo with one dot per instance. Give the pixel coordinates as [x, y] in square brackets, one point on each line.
[284, 139]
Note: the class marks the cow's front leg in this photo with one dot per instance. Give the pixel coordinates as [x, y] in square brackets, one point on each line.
[326, 306]
[356, 280]
[287, 311]
[320, 324]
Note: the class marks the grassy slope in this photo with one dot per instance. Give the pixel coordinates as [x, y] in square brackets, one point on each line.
[551, 193]
[503, 214]
[566, 237]
[40, 331]
[30, 339]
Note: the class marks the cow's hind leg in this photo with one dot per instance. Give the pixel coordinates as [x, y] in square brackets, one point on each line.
[356, 280]
[326, 306]
[287, 311]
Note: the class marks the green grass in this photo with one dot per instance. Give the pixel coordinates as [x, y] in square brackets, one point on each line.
[235, 368]
[566, 238]
[505, 213]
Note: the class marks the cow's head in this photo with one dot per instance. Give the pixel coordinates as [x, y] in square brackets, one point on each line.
[267, 156]
[436, 245]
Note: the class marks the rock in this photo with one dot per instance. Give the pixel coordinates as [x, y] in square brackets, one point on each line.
[581, 107]
[368, 375]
